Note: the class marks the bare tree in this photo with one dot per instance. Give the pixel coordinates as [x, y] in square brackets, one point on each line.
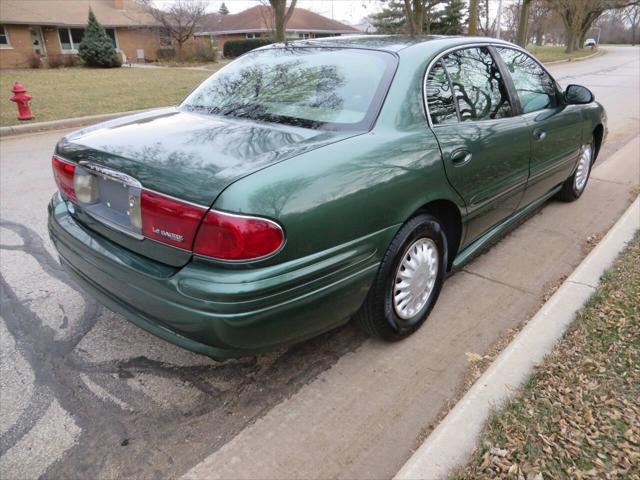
[578, 17]
[632, 14]
[473, 17]
[281, 15]
[179, 20]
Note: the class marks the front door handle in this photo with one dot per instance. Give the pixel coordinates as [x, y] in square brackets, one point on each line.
[460, 157]
[540, 134]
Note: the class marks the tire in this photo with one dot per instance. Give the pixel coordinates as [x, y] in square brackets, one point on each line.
[574, 186]
[382, 315]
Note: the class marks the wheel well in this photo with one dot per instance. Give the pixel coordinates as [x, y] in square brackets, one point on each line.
[449, 215]
[598, 133]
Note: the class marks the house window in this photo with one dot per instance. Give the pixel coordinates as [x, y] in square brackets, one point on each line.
[165, 38]
[4, 37]
[303, 35]
[70, 38]
[252, 35]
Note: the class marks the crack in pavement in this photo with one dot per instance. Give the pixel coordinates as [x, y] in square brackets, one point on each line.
[499, 282]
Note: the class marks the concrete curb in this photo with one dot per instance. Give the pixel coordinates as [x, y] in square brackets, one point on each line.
[64, 123]
[452, 442]
[555, 62]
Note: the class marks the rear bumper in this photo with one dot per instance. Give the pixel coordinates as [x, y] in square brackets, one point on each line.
[217, 311]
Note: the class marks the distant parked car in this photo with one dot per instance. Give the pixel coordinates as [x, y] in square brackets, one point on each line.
[308, 183]
[590, 42]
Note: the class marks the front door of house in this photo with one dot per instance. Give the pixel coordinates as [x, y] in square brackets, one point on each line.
[37, 41]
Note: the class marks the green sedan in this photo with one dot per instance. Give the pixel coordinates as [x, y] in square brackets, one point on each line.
[309, 183]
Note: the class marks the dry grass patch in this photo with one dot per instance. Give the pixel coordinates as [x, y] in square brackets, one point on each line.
[579, 414]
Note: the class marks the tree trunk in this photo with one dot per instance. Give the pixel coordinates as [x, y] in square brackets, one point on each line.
[278, 19]
[180, 55]
[581, 40]
[281, 16]
[473, 18]
[571, 41]
[279, 34]
[522, 23]
[414, 10]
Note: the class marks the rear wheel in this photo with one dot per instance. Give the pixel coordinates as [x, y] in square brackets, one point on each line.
[575, 185]
[408, 282]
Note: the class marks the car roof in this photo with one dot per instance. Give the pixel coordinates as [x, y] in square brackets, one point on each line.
[392, 43]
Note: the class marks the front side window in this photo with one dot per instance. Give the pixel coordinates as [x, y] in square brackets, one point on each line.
[440, 102]
[333, 88]
[478, 86]
[535, 88]
[4, 38]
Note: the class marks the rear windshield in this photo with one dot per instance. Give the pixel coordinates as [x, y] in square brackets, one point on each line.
[330, 88]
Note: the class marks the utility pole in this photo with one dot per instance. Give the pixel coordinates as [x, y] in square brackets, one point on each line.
[499, 19]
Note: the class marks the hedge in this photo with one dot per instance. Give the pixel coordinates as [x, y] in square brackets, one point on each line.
[235, 48]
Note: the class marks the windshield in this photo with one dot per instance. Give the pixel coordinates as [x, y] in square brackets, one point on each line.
[333, 88]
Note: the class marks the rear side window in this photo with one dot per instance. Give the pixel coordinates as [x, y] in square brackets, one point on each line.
[536, 89]
[440, 102]
[478, 86]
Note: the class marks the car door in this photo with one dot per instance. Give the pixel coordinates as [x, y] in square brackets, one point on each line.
[485, 148]
[555, 128]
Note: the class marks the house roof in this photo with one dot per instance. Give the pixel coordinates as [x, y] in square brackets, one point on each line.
[259, 19]
[110, 13]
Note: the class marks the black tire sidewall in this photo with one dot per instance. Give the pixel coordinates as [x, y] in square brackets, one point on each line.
[422, 226]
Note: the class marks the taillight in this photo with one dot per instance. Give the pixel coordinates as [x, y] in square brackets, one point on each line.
[168, 220]
[210, 233]
[236, 237]
[63, 173]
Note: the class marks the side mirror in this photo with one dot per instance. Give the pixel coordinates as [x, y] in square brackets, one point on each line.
[578, 95]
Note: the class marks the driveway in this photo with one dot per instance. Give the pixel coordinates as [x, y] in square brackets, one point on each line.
[86, 394]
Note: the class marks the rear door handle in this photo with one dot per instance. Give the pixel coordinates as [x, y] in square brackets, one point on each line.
[460, 157]
[539, 134]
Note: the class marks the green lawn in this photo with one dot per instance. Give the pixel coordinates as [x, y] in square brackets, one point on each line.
[79, 91]
[579, 415]
[550, 53]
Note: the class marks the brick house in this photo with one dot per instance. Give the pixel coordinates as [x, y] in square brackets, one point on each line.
[257, 22]
[55, 27]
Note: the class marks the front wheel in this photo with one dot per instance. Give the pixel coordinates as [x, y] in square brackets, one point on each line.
[408, 281]
[575, 185]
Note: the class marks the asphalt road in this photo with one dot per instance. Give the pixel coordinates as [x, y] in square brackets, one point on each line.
[85, 394]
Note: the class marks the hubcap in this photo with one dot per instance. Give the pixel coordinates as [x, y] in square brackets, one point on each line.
[415, 278]
[582, 172]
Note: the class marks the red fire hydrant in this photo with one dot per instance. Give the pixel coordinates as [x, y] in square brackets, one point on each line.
[22, 100]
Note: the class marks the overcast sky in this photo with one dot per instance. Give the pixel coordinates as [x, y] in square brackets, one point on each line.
[351, 11]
